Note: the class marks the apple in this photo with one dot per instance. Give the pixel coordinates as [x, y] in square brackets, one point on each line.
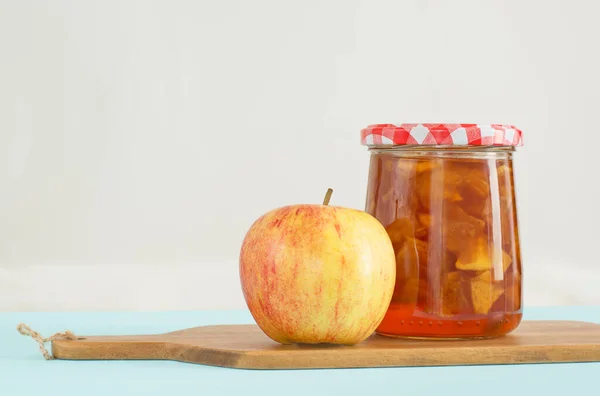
[315, 274]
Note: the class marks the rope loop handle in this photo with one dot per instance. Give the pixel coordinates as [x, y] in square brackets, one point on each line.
[27, 331]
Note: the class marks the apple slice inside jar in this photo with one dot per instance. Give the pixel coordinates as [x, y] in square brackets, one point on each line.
[479, 257]
[455, 294]
[484, 292]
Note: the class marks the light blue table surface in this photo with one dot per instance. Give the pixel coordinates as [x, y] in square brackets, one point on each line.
[23, 371]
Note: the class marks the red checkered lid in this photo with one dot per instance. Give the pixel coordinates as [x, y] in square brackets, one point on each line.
[441, 135]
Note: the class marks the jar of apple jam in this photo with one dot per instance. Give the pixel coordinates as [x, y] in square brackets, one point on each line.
[446, 196]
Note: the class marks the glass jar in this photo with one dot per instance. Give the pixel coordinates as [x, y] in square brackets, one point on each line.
[446, 196]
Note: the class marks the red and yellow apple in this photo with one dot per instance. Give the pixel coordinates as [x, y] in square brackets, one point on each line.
[315, 274]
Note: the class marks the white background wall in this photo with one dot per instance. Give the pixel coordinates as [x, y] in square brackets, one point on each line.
[140, 139]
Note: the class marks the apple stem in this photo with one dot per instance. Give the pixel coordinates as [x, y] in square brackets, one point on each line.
[327, 196]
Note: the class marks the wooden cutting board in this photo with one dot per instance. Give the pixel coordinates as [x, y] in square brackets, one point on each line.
[246, 346]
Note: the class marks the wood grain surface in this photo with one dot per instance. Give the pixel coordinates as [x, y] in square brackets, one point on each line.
[246, 346]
